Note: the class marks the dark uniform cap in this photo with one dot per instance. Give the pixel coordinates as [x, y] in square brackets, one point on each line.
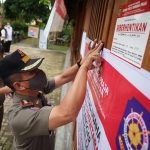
[17, 62]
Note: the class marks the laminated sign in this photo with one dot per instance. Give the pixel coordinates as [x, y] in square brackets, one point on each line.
[33, 32]
[132, 31]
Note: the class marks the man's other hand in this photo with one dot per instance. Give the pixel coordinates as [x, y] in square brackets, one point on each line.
[95, 48]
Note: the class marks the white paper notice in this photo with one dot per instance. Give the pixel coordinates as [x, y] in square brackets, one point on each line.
[131, 34]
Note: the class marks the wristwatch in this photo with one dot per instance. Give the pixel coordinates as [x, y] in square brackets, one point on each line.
[78, 62]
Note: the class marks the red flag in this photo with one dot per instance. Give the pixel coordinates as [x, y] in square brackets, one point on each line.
[56, 19]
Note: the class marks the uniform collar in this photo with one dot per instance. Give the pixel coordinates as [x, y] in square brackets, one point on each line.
[37, 101]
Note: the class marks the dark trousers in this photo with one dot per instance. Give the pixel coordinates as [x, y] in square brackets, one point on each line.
[7, 49]
[1, 51]
[4, 45]
[1, 115]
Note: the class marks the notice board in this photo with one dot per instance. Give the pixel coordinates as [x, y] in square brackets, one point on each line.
[33, 32]
[132, 31]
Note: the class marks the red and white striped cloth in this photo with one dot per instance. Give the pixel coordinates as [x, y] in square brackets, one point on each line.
[57, 16]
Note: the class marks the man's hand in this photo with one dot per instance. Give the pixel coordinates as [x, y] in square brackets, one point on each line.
[88, 63]
[93, 49]
[70, 73]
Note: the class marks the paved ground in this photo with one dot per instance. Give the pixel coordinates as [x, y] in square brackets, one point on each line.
[52, 65]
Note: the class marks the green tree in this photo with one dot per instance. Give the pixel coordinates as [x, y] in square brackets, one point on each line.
[45, 2]
[27, 9]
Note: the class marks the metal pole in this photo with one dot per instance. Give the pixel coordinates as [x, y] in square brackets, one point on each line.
[32, 42]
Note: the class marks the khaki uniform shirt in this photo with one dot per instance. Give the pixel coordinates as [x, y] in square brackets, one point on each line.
[29, 125]
[2, 98]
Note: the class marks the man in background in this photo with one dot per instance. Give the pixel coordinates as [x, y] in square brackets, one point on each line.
[9, 38]
[3, 39]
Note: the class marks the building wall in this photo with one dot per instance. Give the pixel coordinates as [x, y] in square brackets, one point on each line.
[77, 32]
[98, 19]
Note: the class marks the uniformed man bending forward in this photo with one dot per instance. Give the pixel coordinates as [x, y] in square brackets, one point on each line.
[32, 121]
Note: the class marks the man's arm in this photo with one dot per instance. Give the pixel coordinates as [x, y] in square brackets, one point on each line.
[66, 76]
[69, 108]
[70, 73]
[2, 33]
[5, 89]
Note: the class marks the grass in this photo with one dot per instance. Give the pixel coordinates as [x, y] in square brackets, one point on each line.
[33, 42]
[58, 47]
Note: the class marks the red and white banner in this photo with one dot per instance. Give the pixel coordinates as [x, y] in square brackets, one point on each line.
[56, 19]
[115, 114]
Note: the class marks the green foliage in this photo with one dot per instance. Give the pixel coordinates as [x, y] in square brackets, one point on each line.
[63, 48]
[23, 33]
[66, 32]
[4, 22]
[52, 2]
[26, 10]
[21, 27]
[42, 25]
[45, 2]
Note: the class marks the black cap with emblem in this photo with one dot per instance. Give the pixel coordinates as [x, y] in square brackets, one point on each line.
[17, 62]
